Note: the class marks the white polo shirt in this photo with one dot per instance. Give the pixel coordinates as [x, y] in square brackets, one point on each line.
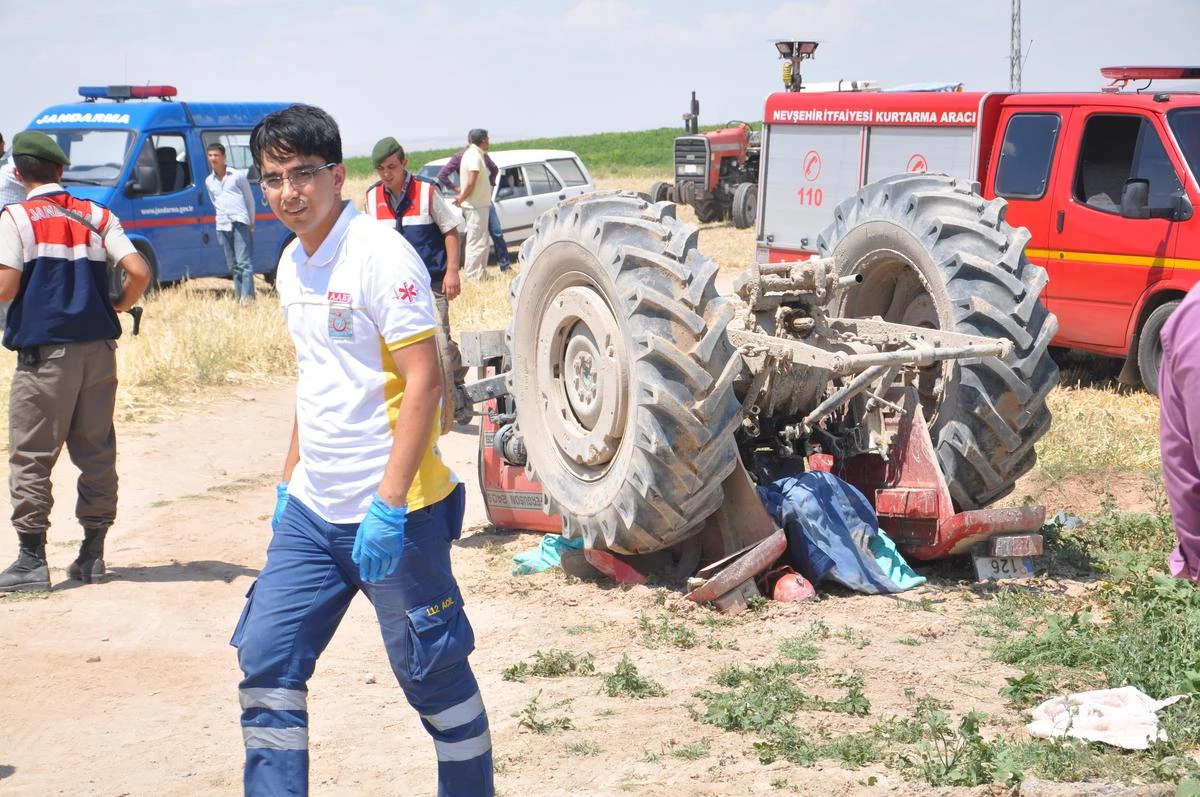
[363, 294]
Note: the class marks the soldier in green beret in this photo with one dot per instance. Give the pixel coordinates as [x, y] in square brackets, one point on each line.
[55, 254]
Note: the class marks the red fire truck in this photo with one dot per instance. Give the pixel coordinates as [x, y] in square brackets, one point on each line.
[1105, 182]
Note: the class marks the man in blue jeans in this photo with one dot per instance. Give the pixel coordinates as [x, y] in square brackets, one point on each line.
[365, 503]
[495, 231]
[233, 202]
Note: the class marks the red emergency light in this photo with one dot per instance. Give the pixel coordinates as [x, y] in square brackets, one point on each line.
[122, 93]
[1128, 73]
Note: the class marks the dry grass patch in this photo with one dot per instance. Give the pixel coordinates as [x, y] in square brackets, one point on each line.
[195, 344]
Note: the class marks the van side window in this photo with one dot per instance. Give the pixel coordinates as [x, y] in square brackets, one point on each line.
[237, 150]
[569, 170]
[1025, 156]
[161, 166]
[1115, 148]
[541, 180]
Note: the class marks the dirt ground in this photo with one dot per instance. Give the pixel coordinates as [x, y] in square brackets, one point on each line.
[130, 687]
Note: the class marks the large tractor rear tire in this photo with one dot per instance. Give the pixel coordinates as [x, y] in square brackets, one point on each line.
[934, 253]
[707, 210]
[622, 372]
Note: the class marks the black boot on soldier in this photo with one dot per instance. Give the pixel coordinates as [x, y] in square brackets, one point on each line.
[89, 567]
[29, 573]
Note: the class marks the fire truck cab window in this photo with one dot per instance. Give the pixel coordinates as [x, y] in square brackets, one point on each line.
[1025, 156]
[541, 181]
[1117, 148]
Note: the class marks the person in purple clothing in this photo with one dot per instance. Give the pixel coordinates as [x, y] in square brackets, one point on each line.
[494, 229]
[1179, 431]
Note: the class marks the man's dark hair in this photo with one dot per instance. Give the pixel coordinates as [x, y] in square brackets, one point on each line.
[477, 136]
[36, 170]
[217, 145]
[296, 130]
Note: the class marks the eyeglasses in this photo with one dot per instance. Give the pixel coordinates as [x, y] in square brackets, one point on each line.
[299, 178]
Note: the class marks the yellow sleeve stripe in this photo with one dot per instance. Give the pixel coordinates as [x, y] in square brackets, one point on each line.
[417, 338]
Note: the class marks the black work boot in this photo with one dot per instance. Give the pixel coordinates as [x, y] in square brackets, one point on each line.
[29, 573]
[89, 567]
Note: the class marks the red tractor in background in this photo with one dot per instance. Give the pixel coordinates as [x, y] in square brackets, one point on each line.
[716, 172]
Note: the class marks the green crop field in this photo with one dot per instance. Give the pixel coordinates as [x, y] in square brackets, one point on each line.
[605, 154]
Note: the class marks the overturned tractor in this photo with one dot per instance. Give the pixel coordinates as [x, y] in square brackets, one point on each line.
[632, 404]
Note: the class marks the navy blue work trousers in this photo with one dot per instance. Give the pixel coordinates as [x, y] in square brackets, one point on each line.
[294, 608]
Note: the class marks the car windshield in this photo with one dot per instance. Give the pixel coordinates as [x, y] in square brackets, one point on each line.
[1185, 126]
[97, 156]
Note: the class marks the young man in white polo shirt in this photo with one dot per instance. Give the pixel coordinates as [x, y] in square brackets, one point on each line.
[365, 502]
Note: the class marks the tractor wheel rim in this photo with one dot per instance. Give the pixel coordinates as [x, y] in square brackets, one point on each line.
[890, 274]
[582, 379]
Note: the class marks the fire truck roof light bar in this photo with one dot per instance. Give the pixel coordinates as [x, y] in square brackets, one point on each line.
[1128, 73]
[122, 93]
[791, 48]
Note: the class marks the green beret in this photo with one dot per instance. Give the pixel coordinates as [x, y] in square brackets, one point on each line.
[383, 149]
[39, 145]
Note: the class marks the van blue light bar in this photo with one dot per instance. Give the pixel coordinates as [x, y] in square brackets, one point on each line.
[121, 93]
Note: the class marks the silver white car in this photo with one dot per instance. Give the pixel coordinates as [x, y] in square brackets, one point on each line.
[530, 182]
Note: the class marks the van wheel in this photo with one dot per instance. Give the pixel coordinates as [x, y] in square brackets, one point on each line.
[116, 276]
[1149, 350]
[153, 286]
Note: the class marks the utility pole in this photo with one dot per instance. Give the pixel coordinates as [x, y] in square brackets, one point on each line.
[1014, 57]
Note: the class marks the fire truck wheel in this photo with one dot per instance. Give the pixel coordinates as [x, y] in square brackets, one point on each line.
[934, 253]
[1149, 350]
[660, 191]
[622, 372]
[745, 205]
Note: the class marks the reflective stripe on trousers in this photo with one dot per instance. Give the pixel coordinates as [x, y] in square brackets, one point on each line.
[296, 605]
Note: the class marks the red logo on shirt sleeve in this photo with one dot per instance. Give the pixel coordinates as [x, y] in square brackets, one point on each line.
[407, 292]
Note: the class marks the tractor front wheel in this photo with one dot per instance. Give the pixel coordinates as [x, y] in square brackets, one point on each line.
[745, 205]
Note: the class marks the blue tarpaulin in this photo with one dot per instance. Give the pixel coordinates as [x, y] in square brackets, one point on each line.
[833, 532]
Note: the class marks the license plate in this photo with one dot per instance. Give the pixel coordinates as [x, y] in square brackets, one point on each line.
[992, 568]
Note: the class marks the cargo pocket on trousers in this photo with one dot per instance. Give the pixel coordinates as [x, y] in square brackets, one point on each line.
[439, 635]
[240, 628]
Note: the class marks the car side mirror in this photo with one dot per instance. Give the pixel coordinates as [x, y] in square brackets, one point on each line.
[143, 181]
[1135, 202]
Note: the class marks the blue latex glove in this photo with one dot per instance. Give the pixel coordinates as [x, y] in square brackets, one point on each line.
[380, 540]
[281, 496]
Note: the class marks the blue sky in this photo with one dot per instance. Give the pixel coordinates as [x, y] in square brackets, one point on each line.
[426, 72]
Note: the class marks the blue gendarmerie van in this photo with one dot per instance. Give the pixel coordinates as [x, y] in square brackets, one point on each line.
[140, 153]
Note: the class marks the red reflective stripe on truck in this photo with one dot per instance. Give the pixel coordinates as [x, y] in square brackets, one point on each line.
[171, 221]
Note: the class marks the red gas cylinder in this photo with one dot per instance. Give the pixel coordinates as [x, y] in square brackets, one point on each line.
[788, 585]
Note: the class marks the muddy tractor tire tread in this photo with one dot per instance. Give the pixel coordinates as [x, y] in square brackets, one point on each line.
[991, 412]
[641, 290]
